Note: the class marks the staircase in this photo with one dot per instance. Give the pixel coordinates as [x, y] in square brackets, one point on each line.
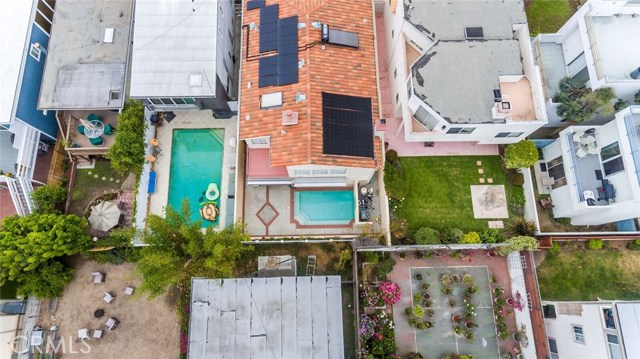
[20, 187]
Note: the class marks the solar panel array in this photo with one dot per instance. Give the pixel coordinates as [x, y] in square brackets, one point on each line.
[279, 35]
[347, 125]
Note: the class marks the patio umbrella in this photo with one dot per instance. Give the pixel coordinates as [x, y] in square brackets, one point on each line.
[104, 216]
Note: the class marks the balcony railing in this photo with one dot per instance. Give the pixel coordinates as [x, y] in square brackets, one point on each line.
[634, 140]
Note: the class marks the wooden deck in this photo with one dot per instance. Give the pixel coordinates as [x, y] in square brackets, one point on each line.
[537, 319]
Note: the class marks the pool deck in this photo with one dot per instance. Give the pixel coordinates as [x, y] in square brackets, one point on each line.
[192, 120]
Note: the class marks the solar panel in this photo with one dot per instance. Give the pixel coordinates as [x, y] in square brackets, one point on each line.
[268, 71]
[255, 4]
[347, 125]
[288, 50]
[269, 28]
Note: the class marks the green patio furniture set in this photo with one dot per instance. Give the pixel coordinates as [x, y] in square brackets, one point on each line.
[108, 130]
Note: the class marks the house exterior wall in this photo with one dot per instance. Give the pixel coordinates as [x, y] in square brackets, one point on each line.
[400, 34]
[591, 320]
[224, 47]
[350, 174]
[565, 198]
[26, 110]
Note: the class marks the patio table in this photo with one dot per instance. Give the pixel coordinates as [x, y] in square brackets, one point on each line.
[95, 130]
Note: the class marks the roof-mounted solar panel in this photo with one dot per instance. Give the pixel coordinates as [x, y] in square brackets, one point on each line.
[339, 37]
[288, 50]
[255, 4]
[269, 28]
[347, 125]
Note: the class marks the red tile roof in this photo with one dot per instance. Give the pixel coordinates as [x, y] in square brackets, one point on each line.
[334, 69]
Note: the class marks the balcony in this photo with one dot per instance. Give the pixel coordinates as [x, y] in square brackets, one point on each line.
[79, 143]
[590, 185]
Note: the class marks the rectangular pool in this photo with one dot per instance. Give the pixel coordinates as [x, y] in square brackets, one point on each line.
[328, 207]
[196, 173]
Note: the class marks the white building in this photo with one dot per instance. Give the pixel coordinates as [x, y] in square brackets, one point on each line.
[463, 71]
[593, 330]
[183, 54]
[594, 172]
[598, 46]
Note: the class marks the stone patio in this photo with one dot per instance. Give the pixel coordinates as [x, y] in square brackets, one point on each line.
[489, 201]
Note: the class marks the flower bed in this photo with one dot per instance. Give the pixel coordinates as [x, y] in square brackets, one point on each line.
[376, 332]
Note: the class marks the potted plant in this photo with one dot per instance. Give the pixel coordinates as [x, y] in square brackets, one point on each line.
[428, 303]
[468, 335]
[511, 301]
[419, 254]
[416, 298]
[499, 301]
[456, 318]
[413, 321]
[457, 330]
[446, 290]
[446, 280]
[469, 324]
[491, 253]
[421, 326]
[452, 303]
[456, 278]
[467, 298]
[507, 355]
[402, 255]
[498, 292]
[419, 276]
[468, 280]
[494, 280]
[520, 356]
[407, 310]
[425, 295]
[417, 311]
[430, 313]
[425, 286]
[428, 324]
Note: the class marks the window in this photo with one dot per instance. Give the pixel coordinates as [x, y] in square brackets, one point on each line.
[461, 130]
[614, 346]
[35, 51]
[578, 334]
[320, 172]
[553, 348]
[427, 119]
[607, 316]
[509, 134]
[549, 311]
[338, 172]
[474, 33]
[301, 172]
[611, 159]
[259, 141]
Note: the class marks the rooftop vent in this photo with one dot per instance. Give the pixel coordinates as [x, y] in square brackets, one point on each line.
[339, 37]
[289, 118]
[195, 80]
[108, 35]
[474, 33]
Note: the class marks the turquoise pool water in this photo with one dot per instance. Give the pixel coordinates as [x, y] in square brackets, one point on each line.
[324, 207]
[196, 162]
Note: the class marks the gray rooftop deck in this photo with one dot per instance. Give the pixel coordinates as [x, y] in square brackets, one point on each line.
[552, 58]
[618, 41]
[287, 317]
[82, 69]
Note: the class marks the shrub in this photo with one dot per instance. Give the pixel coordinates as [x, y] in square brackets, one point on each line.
[345, 258]
[426, 235]
[620, 104]
[47, 199]
[471, 238]
[451, 235]
[555, 249]
[418, 312]
[634, 245]
[492, 235]
[520, 226]
[515, 178]
[398, 228]
[48, 281]
[394, 183]
[518, 243]
[579, 103]
[521, 155]
[127, 153]
[594, 244]
[384, 267]
[392, 156]
[517, 196]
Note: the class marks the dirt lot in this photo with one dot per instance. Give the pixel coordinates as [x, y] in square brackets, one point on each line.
[148, 329]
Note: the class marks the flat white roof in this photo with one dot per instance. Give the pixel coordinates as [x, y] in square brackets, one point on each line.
[629, 318]
[174, 48]
[283, 317]
[15, 17]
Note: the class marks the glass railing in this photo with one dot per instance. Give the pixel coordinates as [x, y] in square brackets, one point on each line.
[574, 167]
[634, 141]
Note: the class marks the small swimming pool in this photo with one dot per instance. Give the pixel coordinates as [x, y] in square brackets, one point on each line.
[196, 165]
[331, 207]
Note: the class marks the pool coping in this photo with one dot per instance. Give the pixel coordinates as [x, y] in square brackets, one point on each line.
[317, 226]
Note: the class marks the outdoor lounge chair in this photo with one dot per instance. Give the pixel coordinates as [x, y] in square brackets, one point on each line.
[97, 333]
[93, 117]
[112, 323]
[109, 130]
[108, 297]
[80, 129]
[98, 277]
[98, 141]
[83, 334]
[152, 182]
[546, 203]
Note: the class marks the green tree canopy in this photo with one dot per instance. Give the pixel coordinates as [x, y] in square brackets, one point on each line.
[579, 103]
[48, 199]
[177, 249]
[127, 153]
[523, 154]
[30, 247]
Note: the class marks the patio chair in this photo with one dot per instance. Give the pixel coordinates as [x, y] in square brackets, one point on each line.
[83, 334]
[128, 290]
[112, 323]
[98, 277]
[97, 333]
[108, 297]
[546, 203]
[93, 117]
[109, 130]
[98, 141]
[80, 129]
[581, 153]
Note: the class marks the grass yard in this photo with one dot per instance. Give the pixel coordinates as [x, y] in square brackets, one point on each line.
[439, 195]
[547, 16]
[87, 186]
[590, 274]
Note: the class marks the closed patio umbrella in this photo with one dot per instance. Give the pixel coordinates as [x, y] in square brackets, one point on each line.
[104, 216]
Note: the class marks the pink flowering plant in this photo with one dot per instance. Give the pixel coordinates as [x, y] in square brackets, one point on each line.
[371, 297]
[518, 302]
[390, 292]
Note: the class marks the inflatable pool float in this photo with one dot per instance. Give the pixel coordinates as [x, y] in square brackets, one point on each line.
[209, 212]
[212, 193]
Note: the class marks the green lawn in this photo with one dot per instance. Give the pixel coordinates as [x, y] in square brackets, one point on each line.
[439, 194]
[547, 16]
[86, 186]
[590, 274]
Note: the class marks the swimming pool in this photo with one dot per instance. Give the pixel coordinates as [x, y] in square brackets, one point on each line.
[331, 207]
[196, 164]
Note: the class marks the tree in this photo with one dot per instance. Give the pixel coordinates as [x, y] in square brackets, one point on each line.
[127, 153]
[48, 199]
[579, 103]
[521, 155]
[177, 249]
[517, 244]
[426, 235]
[30, 247]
